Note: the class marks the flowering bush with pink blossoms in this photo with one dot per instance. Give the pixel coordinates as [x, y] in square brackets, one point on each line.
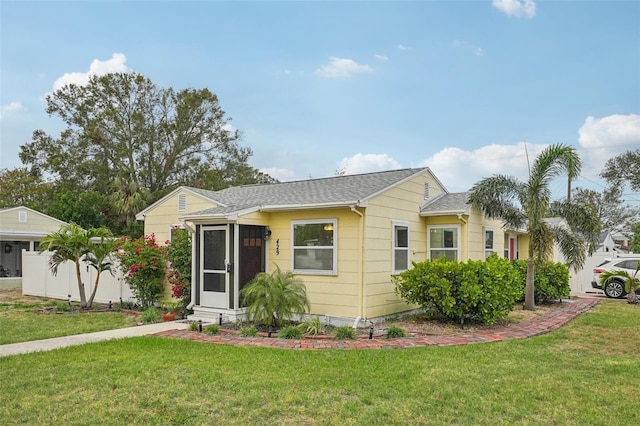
[144, 266]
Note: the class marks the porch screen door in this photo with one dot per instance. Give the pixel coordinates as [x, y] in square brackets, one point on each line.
[214, 279]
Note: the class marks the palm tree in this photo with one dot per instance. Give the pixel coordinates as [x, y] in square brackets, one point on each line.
[70, 243]
[99, 256]
[274, 298]
[632, 282]
[527, 204]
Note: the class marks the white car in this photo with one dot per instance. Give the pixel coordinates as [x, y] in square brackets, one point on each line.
[614, 288]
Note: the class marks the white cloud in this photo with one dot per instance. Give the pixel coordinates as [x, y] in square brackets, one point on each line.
[382, 58]
[459, 169]
[517, 8]
[280, 173]
[97, 67]
[606, 137]
[342, 68]
[11, 107]
[403, 47]
[366, 163]
[468, 47]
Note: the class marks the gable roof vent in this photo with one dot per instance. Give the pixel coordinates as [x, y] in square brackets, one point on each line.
[426, 190]
[182, 202]
[22, 217]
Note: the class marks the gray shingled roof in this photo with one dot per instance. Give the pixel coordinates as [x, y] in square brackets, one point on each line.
[447, 204]
[336, 190]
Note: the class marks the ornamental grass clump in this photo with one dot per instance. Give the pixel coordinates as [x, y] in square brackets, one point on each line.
[345, 333]
[291, 332]
[150, 315]
[211, 329]
[395, 332]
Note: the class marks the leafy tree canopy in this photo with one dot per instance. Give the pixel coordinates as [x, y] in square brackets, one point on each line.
[132, 141]
[614, 214]
[625, 168]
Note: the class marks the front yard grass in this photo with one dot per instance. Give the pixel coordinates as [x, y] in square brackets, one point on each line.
[21, 321]
[584, 373]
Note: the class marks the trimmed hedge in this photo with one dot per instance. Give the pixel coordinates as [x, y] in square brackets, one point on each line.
[551, 280]
[480, 291]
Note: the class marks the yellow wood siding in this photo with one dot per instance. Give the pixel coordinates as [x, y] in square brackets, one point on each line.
[165, 214]
[35, 222]
[401, 204]
[334, 295]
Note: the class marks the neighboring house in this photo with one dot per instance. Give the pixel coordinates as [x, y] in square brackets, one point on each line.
[22, 228]
[606, 243]
[621, 242]
[344, 236]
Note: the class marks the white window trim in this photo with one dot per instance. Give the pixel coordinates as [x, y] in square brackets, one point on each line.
[334, 222]
[457, 249]
[484, 241]
[394, 224]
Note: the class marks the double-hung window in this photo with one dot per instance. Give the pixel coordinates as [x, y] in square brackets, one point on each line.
[314, 246]
[400, 246]
[488, 242]
[444, 241]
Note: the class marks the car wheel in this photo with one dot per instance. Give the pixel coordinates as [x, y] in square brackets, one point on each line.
[614, 289]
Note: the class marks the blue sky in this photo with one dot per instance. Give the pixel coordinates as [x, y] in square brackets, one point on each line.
[315, 87]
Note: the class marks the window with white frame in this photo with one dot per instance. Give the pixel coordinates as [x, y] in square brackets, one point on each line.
[444, 241]
[182, 202]
[400, 246]
[314, 246]
[488, 242]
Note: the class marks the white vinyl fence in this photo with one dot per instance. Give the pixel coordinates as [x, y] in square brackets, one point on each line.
[38, 280]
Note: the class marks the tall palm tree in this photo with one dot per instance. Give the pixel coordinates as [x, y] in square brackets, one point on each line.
[69, 243]
[100, 255]
[526, 205]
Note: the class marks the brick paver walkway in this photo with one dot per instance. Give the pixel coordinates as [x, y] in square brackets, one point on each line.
[539, 325]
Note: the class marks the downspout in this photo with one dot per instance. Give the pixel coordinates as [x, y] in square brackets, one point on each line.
[361, 291]
[463, 233]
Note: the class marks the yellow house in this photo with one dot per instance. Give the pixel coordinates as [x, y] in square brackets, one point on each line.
[345, 236]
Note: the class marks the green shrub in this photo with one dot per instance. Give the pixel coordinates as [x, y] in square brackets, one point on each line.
[480, 291]
[62, 306]
[150, 315]
[291, 332]
[550, 280]
[144, 266]
[126, 304]
[248, 332]
[313, 326]
[394, 331]
[345, 333]
[193, 326]
[272, 299]
[211, 329]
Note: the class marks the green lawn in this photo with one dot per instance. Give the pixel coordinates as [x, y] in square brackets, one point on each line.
[585, 373]
[20, 321]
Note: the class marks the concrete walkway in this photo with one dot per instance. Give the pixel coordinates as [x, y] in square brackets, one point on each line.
[80, 339]
[539, 325]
